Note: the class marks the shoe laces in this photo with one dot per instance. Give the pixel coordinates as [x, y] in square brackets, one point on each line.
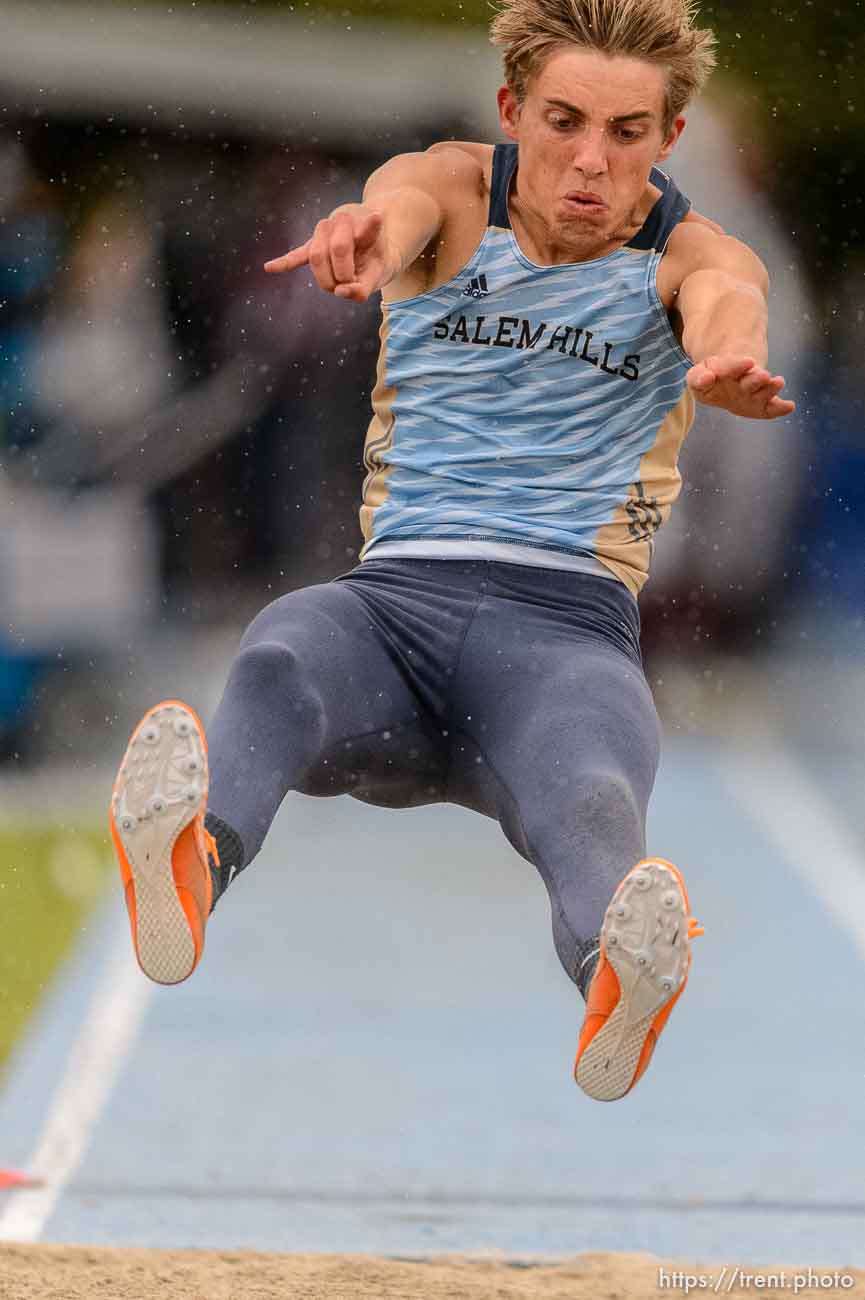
[694, 928]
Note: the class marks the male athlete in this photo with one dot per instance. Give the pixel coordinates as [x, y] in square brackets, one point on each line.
[550, 316]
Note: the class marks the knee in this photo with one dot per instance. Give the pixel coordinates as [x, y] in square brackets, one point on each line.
[270, 663]
[584, 804]
[272, 671]
[603, 794]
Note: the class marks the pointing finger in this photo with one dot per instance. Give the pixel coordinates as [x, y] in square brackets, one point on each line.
[290, 261]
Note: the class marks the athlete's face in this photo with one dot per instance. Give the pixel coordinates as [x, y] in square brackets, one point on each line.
[589, 129]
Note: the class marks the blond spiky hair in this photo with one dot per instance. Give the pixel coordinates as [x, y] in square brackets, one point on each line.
[659, 31]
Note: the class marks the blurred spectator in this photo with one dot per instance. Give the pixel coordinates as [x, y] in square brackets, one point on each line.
[284, 491]
[78, 366]
[32, 236]
[32, 240]
[104, 360]
[175, 364]
[314, 429]
[829, 547]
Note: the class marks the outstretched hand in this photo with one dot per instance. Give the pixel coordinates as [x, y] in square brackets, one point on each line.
[348, 254]
[740, 386]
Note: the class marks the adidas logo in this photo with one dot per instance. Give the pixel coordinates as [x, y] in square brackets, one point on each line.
[476, 287]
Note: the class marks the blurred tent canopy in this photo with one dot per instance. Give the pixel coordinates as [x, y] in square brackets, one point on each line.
[313, 80]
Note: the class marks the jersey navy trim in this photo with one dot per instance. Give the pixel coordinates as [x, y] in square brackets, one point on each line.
[504, 163]
[671, 208]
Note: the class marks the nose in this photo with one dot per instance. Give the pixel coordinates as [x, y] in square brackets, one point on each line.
[590, 154]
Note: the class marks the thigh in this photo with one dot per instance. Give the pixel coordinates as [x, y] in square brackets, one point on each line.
[562, 748]
[556, 736]
[548, 715]
[329, 676]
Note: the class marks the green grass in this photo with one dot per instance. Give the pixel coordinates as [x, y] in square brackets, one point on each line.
[49, 880]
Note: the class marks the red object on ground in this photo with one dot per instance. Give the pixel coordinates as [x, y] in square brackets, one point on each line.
[12, 1178]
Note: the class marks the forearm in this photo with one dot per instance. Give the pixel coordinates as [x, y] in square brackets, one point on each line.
[723, 317]
[361, 247]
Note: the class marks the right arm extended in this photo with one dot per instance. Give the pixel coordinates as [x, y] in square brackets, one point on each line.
[361, 247]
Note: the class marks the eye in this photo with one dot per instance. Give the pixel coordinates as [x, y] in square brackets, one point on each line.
[628, 134]
[560, 123]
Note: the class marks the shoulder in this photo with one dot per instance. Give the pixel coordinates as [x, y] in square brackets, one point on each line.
[479, 154]
[698, 218]
[452, 173]
[467, 162]
[701, 245]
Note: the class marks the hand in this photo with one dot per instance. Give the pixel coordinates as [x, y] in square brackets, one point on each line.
[740, 386]
[349, 255]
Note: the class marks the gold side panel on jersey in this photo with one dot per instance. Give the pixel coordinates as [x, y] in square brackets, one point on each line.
[625, 544]
[379, 436]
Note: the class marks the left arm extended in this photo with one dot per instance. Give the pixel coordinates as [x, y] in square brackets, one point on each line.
[722, 301]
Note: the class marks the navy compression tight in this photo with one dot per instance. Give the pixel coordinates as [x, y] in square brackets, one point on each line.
[512, 690]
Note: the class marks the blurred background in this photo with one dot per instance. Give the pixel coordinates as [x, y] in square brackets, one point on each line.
[156, 383]
[181, 435]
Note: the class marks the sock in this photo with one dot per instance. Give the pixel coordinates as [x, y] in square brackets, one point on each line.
[229, 846]
[587, 957]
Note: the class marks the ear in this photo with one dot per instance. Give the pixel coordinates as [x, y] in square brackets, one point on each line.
[670, 143]
[509, 112]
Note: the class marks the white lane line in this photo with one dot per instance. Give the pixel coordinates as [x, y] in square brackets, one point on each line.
[780, 796]
[92, 1067]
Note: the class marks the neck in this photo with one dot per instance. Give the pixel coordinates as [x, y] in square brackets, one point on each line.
[545, 246]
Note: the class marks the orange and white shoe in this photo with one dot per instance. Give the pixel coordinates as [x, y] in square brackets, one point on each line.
[157, 825]
[641, 974]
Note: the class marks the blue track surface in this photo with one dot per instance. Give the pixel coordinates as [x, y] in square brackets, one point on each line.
[376, 1056]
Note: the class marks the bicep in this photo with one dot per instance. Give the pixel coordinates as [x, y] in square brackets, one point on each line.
[740, 262]
[394, 191]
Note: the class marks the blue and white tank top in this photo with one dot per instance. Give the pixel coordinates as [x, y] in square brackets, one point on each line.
[531, 413]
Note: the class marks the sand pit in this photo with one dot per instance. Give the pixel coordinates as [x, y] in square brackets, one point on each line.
[84, 1273]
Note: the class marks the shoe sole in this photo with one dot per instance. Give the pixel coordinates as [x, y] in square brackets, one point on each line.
[645, 939]
[160, 789]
